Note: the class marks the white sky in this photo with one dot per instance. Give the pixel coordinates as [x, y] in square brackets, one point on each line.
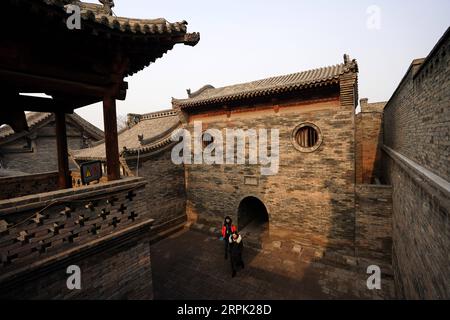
[245, 40]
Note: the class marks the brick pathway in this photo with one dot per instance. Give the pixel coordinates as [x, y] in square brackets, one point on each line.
[191, 265]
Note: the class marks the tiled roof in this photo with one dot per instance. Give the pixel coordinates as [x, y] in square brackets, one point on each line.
[36, 119]
[150, 133]
[89, 127]
[153, 37]
[33, 119]
[96, 12]
[274, 85]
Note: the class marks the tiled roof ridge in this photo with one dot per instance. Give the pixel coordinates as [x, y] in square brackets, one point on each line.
[311, 77]
[166, 140]
[162, 142]
[33, 119]
[165, 133]
[132, 142]
[98, 22]
[159, 114]
[87, 125]
[199, 91]
[99, 13]
[135, 118]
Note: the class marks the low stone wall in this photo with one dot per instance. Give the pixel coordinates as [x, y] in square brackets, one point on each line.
[373, 234]
[421, 230]
[104, 229]
[166, 194]
[12, 187]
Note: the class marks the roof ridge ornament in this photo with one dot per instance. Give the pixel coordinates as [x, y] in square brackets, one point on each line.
[107, 6]
[191, 39]
[346, 59]
[199, 91]
[350, 64]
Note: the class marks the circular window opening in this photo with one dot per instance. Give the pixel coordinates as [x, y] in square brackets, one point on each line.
[306, 137]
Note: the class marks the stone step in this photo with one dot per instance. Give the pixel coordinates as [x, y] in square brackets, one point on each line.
[158, 236]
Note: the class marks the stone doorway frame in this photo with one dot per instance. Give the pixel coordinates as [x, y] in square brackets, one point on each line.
[239, 211]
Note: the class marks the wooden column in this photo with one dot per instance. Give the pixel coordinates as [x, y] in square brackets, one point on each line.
[64, 178]
[111, 141]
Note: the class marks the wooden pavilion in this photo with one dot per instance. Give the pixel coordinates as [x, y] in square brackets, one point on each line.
[75, 67]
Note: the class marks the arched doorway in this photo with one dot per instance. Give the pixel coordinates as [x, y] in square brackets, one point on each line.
[252, 212]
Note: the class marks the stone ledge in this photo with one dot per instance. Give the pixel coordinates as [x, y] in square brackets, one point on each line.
[420, 174]
[29, 177]
[43, 199]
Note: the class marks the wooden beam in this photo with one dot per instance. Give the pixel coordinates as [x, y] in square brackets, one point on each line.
[24, 82]
[65, 104]
[39, 104]
[64, 179]
[111, 140]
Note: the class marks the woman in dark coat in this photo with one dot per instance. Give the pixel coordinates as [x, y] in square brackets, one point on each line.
[236, 248]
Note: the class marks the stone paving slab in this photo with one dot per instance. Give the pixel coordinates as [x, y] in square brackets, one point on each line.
[190, 265]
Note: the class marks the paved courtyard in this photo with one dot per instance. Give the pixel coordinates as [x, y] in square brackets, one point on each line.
[191, 265]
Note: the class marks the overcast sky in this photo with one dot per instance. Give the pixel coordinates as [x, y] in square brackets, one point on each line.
[245, 40]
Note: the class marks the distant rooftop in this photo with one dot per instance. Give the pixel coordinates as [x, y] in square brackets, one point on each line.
[146, 133]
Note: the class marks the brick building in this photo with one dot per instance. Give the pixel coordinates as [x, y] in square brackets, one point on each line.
[34, 151]
[352, 189]
[327, 199]
[145, 151]
[312, 195]
[314, 201]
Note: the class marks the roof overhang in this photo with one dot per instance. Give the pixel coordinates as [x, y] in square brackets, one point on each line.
[39, 53]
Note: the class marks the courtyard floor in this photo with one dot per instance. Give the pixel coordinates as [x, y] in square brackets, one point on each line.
[190, 265]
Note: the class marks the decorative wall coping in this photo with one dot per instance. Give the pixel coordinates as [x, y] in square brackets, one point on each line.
[419, 173]
[90, 248]
[43, 199]
[44, 231]
[23, 185]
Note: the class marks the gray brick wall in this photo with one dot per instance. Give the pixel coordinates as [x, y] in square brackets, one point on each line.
[44, 156]
[417, 125]
[416, 119]
[12, 187]
[313, 193]
[166, 195]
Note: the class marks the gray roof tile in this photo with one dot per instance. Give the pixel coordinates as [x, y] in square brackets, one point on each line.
[154, 127]
[316, 77]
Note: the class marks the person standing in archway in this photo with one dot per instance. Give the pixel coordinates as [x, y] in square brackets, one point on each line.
[236, 247]
[227, 230]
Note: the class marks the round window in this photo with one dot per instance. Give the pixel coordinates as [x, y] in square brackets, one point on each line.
[306, 137]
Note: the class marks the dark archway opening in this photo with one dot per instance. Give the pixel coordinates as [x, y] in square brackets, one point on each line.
[252, 212]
